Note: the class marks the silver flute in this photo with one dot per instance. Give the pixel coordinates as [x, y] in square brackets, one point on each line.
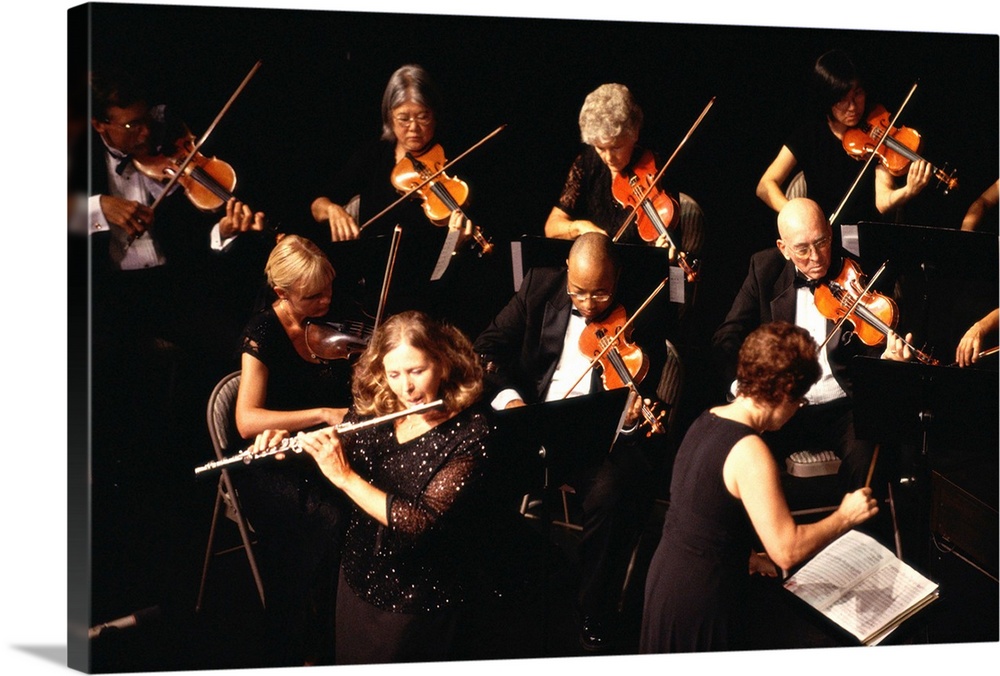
[292, 444]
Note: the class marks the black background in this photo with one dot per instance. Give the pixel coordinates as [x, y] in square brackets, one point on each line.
[316, 98]
[317, 95]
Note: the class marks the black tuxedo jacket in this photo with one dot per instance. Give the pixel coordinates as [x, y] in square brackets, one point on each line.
[182, 231]
[522, 345]
[767, 295]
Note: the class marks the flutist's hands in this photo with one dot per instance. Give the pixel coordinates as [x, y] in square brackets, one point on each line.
[269, 438]
[325, 448]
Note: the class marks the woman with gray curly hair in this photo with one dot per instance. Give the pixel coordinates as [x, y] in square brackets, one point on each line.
[610, 122]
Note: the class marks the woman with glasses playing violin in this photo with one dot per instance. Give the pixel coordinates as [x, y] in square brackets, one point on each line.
[610, 121]
[815, 147]
[411, 105]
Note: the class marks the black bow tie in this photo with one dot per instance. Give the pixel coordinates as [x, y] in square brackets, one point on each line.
[575, 312]
[123, 161]
[810, 284]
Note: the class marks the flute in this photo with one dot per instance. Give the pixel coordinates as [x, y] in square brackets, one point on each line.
[292, 445]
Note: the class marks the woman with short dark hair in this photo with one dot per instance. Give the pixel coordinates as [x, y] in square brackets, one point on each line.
[725, 494]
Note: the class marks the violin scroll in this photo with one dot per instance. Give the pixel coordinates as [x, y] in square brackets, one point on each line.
[652, 416]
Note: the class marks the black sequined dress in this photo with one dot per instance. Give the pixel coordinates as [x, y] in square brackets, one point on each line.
[401, 585]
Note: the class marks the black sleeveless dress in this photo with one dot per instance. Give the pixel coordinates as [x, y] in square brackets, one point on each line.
[698, 574]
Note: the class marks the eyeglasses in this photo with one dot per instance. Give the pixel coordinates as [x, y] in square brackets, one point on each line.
[132, 126]
[803, 250]
[584, 297]
[850, 97]
[422, 119]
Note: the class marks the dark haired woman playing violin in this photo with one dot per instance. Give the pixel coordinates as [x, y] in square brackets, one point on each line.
[815, 147]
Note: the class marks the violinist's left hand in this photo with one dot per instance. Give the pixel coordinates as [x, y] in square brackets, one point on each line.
[634, 412]
[239, 218]
[918, 176]
[458, 221]
[663, 242]
[896, 349]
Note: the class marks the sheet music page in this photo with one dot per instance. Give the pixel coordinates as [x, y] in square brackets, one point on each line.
[880, 599]
[861, 585]
[836, 569]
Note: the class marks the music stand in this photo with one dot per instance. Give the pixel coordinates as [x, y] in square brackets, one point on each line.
[945, 251]
[935, 408]
[643, 267]
[942, 279]
[926, 406]
[565, 434]
[361, 266]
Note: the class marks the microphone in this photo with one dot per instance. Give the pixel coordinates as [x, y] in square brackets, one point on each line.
[138, 617]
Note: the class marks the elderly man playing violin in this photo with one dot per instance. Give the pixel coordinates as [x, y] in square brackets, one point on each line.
[779, 286]
[531, 355]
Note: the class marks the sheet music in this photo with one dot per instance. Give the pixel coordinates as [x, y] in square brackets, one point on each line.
[862, 586]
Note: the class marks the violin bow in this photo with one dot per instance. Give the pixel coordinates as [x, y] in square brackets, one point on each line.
[430, 178]
[204, 136]
[659, 174]
[389, 265]
[614, 339]
[871, 156]
[857, 301]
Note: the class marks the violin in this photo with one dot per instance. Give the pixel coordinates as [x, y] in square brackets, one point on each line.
[660, 210]
[442, 195]
[623, 364]
[328, 341]
[900, 147]
[656, 210]
[873, 315]
[207, 181]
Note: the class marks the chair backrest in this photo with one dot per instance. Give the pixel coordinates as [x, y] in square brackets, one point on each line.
[222, 415]
[691, 220]
[353, 207]
[796, 187]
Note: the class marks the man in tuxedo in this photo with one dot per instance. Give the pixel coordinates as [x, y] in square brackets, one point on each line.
[531, 354]
[779, 286]
[172, 286]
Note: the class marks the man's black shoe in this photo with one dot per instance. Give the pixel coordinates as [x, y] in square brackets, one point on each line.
[594, 635]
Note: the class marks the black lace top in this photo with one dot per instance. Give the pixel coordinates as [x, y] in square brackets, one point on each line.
[292, 382]
[586, 195]
[417, 563]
